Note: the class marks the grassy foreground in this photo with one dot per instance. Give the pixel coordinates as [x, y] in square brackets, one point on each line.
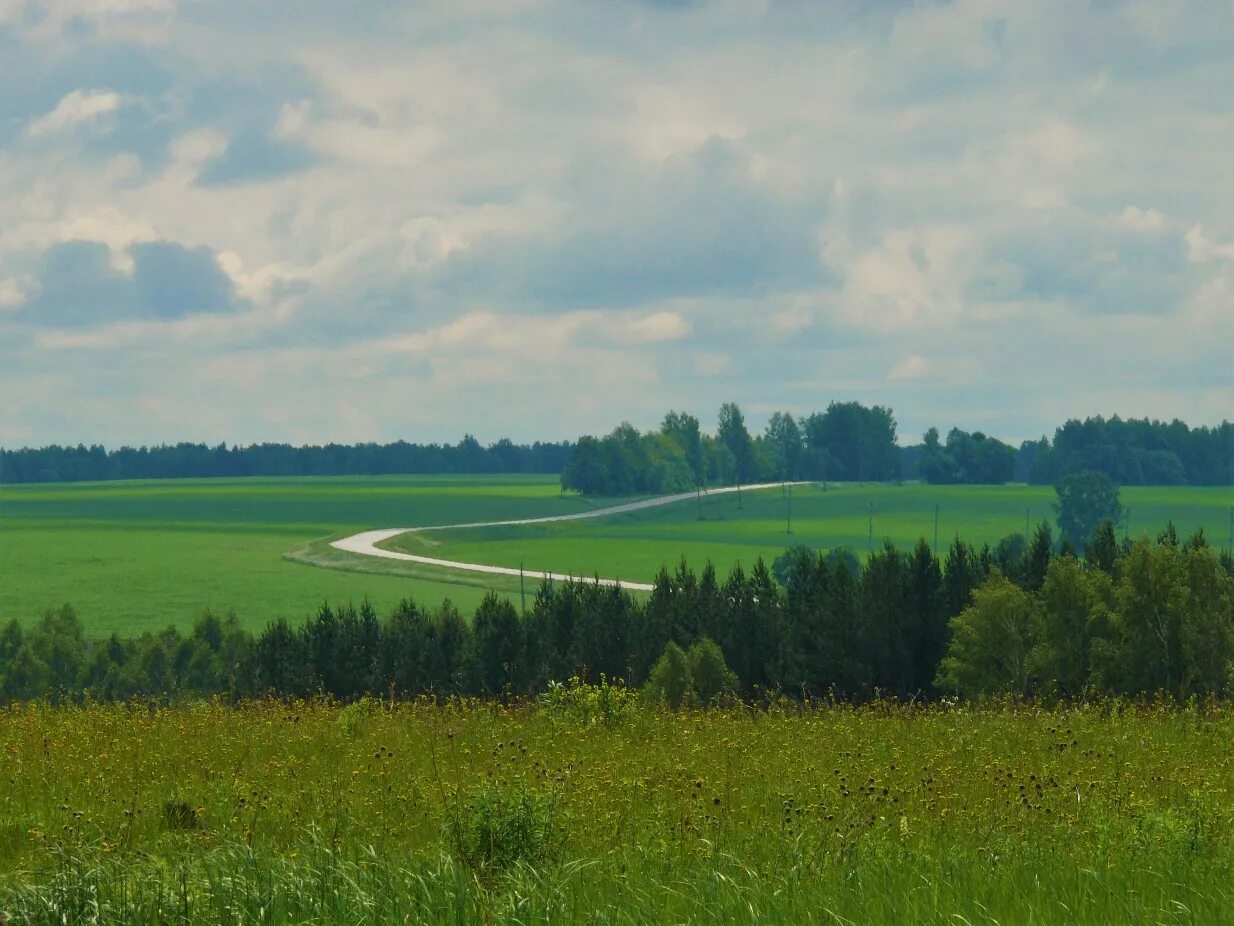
[600, 809]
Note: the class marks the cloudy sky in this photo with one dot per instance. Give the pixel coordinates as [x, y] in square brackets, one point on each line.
[308, 220]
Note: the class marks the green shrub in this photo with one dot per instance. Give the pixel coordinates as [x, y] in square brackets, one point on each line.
[670, 680]
[501, 828]
[712, 677]
[179, 815]
[578, 702]
[351, 718]
[700, 676]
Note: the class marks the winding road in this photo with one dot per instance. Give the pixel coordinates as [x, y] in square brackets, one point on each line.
[366, 543]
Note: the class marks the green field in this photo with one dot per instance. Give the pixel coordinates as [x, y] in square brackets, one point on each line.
[135, 556]
[634, 546]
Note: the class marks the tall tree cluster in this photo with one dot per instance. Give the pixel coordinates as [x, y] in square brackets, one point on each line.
[966, 458]
[847, 442]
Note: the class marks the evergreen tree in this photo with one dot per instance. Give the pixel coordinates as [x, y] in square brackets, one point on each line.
[1037, 557]
[449, 651]
[927, 618]
[498, 650]
[961, 574]
[883, 592]
[1102, 548]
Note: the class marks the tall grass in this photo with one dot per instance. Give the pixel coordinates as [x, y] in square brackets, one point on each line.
[1105, 813]
[237, 884]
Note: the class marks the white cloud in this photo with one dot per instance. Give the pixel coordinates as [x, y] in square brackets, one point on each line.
[1201, 249]
[651, 329]
[77, 108]
[912, 277]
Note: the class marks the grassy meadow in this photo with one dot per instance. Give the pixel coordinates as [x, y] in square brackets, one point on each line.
[136, 556]
[633, 546]
[594, 810]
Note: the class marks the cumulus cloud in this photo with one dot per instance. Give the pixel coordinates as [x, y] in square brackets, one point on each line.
[77, 285]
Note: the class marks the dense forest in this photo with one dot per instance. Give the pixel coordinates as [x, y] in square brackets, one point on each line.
[1128, 617]
[81, 463]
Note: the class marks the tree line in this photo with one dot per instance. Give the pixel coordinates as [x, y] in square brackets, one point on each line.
[1023, 617]
[847, 442]
[186, 460]
[1134, 451]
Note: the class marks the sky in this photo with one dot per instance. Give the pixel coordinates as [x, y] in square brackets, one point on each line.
[304, 220]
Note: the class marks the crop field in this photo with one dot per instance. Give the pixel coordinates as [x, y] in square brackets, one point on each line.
[597, 808]
[136, 556]
[730, 530]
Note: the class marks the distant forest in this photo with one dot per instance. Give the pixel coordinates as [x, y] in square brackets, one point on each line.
[848, 442]
[192, 461]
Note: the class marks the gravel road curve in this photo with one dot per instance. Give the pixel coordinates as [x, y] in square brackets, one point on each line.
[365, 542]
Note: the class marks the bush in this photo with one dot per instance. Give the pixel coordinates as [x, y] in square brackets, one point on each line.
[500, 828]
[670, 680]
[179, 815]
[607, 703]
[700, 676]
[711, 675]
[351, 718]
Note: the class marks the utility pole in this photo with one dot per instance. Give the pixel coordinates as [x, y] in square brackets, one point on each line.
[698, 494]
[936, 530]
[739, 504]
